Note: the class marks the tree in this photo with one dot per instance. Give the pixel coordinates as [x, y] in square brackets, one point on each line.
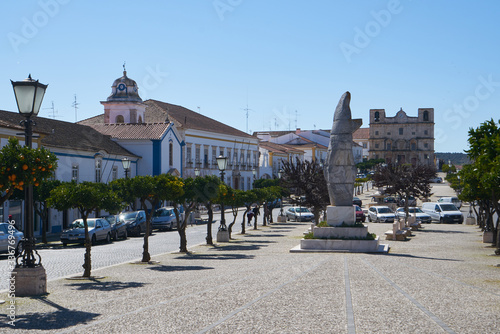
[86, 197]
[21, 166]
[233, 198]
[484, 151]
[40, 197]
[207, 190]
[306, 180]
[405, 180]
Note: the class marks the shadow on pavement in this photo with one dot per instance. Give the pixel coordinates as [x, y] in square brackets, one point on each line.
[105, 286]
[178, 268]
[266, 235]
[62, 318]
[216, 257]
[417, 257]
[445, 232]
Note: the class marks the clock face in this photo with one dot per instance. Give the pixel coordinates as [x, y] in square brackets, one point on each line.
[121, 87]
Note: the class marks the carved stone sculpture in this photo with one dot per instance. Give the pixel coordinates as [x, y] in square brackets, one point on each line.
[340, 170]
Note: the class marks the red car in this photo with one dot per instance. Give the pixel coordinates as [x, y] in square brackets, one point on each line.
[360, 215]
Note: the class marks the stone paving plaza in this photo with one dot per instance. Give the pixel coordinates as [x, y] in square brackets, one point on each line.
[443, 280]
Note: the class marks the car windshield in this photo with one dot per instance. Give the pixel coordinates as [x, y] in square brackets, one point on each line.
[162, 213]
[129, 215]
[448, 207]
[302, 210]
[357, 208]
[111, 219]
[79, 223]
[384, 210]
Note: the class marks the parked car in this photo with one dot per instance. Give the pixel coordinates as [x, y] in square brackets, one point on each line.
[99, 229]
[420, 215]
[390, 199]
[436, 179]
[452, 199]
[381, 214]
[412, 201]
[360, 215]
[357, 201]
[10, 239]
[298, 213]
[443, 212]
[135, 222]
[164, 218]
[118, 228]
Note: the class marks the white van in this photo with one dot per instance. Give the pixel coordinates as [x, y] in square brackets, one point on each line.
[454, 200]
[443, 212]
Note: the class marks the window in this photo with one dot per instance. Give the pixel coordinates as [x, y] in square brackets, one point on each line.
[197, 155]
[377, 116]
[426, 145]
[248, 183]
[413, 146]
[388, 133]
[98, 164]
[114, 173]
[365, 145]
[388, 146]
[74, 173]
[413, 133]
[400, 131]
[376, 145]
[188, 154]
[426, 116]
[214, 154]
[376, 133]
[170, 153]
[426, 132]
[119, 119]
[205, 157]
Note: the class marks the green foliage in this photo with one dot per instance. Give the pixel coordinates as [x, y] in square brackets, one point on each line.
[264, 183]
[21, 166]
[323, 224]
[366, 166]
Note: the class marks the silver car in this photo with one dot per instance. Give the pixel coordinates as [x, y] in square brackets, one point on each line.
[298, 213]
[381, 214]
[164, 218]
[10, 239]
[99, 229]
[420, 215]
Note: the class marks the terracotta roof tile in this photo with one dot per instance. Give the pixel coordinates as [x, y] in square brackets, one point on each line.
[361, 133]
[133, 131]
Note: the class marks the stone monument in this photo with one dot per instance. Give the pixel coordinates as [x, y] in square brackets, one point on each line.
[343, 234]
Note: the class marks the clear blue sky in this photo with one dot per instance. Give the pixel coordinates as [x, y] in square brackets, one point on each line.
[291, 60]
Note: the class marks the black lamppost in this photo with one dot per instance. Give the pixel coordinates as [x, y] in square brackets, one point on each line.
[280, 175]
[222, 164]
[126, 165]
[29, 95]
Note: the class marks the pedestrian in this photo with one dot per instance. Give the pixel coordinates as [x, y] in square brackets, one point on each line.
[249, 217]
[256, 212]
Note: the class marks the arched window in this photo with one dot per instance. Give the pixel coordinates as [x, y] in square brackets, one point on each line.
[170, 153]
[140, 120]
[377, 116]
[426, 116]
[119, 119]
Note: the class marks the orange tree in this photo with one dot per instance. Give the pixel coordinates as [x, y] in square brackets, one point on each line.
[21, 166]
[86, 197]
[233, 198]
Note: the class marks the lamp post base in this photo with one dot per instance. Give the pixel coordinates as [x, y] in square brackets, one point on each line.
[223, 236]
[29, 281]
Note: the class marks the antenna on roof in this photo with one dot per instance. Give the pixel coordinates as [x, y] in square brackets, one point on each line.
[246, 112]
[53, 116]
[75, 105]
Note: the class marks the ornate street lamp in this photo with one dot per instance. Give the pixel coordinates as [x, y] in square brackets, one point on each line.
[222, 164]
[196, 172]
[29, 95]
[126, 165]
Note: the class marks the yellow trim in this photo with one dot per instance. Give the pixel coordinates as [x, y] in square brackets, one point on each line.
[313, 151]
[212, 138]
[270, 159]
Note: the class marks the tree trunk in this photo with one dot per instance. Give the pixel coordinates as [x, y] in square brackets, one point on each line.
[45, 223]
[244, 221]
[264, 216]
[209, 225]
[87, 263]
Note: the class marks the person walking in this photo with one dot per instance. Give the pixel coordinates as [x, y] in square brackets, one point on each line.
[256, 212]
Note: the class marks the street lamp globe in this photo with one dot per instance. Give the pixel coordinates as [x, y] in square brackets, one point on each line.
[29, 95]
[126, 163]
[221, 163]
[196, 172]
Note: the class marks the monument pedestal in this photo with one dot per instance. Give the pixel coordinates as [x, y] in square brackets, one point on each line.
[223, 236]
[342, 235]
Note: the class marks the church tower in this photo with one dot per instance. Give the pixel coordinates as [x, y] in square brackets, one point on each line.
[124, 105]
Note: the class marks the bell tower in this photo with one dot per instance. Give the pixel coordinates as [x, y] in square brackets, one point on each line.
[124, 105]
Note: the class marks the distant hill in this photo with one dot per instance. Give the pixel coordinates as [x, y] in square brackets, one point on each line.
[457, 159]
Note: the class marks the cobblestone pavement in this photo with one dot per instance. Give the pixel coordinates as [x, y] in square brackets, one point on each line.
[442, 280]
